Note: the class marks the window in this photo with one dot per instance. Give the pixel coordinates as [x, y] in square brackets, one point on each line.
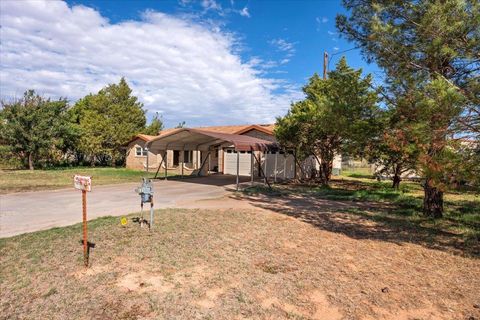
[140, 152]
[187, 156]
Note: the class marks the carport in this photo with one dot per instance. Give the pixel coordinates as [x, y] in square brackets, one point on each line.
[187, 139]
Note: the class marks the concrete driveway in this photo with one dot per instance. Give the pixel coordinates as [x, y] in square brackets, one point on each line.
[33, 211]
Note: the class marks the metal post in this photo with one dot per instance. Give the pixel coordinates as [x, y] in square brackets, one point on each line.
[146, 149]
[238, 168]
[141, 213]
[196, 159]
[209, 164]
[275, 172]
[151, 214]
[166, 163]
[85, 243]
[251, 167]
[265, 171]
[183, 159]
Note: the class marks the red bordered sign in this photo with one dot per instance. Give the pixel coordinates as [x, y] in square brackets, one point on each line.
[82, 183]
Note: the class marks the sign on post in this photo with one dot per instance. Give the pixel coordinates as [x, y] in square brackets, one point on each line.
[84, 183]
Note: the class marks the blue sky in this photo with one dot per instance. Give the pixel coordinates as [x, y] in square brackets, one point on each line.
[204, 62]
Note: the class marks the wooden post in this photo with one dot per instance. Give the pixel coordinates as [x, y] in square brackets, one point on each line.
[325, 63]
[85, 242]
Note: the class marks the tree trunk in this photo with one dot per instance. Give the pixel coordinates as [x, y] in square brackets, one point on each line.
[326, 172]
[432, 201]
[397, 178]
[396, 182]
[30, 161]
[92, 161]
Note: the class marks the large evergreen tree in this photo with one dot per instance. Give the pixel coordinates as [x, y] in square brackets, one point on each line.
[430, 52]
[107, 120]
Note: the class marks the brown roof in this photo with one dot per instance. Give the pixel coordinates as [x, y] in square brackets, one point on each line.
[235, 129]
[196, 139]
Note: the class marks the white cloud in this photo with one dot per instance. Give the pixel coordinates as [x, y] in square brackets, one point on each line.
[321, 20]
[211, 5]
[336, 48]
[288, 48]
[185, 70]
[244, 12]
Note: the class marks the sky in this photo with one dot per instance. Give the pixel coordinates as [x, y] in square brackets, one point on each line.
[205, 62]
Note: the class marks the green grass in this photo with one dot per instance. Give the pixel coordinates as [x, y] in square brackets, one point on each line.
[26, 180]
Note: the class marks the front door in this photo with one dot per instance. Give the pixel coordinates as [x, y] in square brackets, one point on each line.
[176, 158]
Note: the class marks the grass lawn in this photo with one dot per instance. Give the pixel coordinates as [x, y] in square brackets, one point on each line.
[26, 180]
[233, 264]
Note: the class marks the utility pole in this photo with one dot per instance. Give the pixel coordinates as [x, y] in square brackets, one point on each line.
[325, 63]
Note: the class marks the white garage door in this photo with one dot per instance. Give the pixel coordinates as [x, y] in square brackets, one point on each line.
[230, 163]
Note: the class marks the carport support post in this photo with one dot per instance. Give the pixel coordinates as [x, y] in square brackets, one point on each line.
[238, 168]
[183, 160]
[196, 161]
[209, 165]
[166, 163]
[146, 149]
[251, 166]
[265, 173]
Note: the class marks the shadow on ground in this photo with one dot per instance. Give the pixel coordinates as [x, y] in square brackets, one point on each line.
[365, 220]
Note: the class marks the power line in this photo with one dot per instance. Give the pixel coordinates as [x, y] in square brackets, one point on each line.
[340, 52]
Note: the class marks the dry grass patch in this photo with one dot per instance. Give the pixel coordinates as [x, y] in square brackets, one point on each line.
[230, 264]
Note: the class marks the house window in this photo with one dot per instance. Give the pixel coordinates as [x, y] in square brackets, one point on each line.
[140, 152]
[187, 156]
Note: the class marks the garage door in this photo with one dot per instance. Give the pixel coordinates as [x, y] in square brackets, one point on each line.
[230, 162]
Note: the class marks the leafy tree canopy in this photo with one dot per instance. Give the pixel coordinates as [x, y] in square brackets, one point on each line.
[429, 51]
[34, 126]
[338, 114]
[107, 120]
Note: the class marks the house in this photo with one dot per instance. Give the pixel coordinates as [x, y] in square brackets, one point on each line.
[223, 149]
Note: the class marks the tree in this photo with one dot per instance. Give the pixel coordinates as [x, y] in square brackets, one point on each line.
[155, 126]
[180, 125]
[34, 125]
[432, 48]
[107, 120]
[339, 114]
[394, 152]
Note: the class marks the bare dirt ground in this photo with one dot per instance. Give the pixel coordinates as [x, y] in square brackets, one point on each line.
[238, 264]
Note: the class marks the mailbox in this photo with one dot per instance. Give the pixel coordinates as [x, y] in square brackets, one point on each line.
[146, 196]
[145, 191]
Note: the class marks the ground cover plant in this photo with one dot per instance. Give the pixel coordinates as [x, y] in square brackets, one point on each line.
[232, 264]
